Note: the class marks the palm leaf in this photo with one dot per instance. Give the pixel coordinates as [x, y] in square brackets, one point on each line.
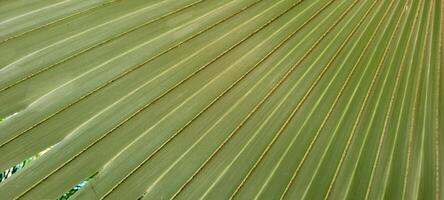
[227, 99]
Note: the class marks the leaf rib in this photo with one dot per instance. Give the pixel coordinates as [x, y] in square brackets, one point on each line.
[100, 44]
[123, 75]
[253, 111]
[390, 109]
[250, 35]
[146, 106]
[295, 110]
[58, 21]
[327, 117]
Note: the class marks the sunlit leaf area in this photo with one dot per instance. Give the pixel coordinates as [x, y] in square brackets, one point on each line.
[221, 99]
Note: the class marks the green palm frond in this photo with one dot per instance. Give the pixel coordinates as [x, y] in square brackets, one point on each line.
[222, 99]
